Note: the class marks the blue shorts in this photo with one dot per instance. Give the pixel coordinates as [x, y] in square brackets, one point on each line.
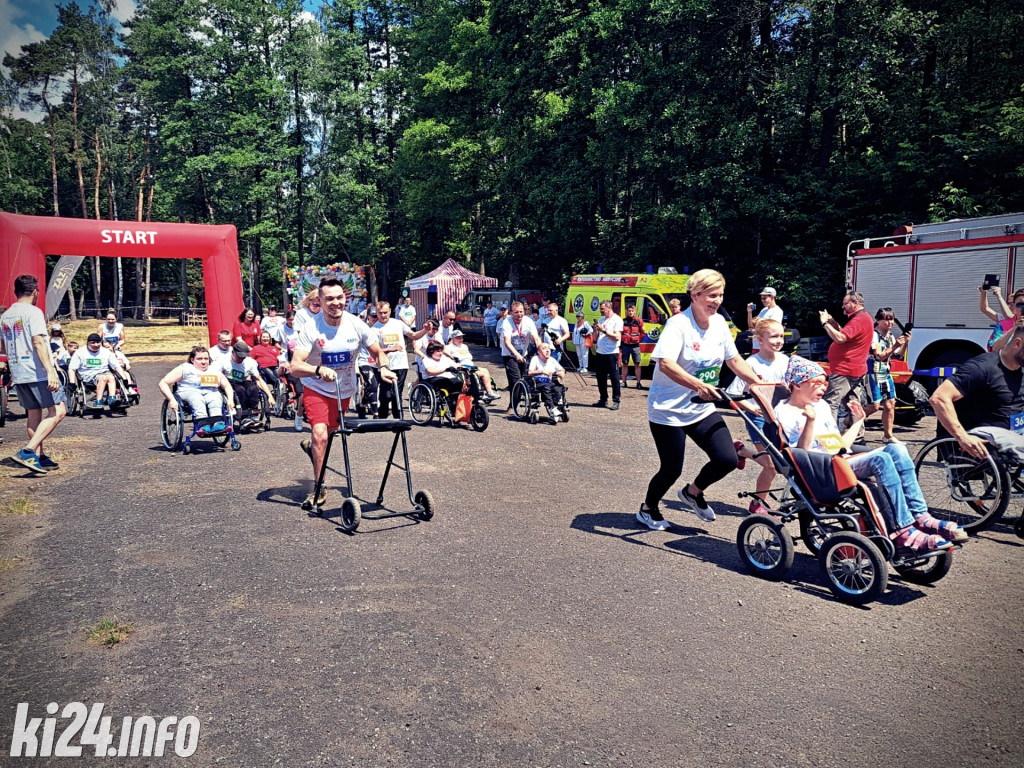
[630, 351]
[881, 387]
[759, 421]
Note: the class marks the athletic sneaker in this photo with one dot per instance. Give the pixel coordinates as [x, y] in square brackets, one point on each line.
[697, 505]
[29, 459]
[653, 519]
[614, 406]
[298, 422]
[48, 464]
[307, 448]
[555, 414]
[757, 507]
[307, 503]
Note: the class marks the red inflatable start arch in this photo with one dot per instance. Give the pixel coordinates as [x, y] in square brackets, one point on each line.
[25, 241]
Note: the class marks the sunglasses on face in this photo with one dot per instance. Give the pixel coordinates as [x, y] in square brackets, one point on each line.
[1019, 305]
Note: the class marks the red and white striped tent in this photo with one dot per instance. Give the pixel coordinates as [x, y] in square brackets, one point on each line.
[452, 281]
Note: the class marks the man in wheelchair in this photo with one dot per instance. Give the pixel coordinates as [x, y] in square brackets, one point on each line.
[807, 422]
[95, 367]
[244, 375]
[545, 375]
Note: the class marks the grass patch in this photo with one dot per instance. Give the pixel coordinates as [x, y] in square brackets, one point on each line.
[20, 506]
[9, 563]
[108, 632]
[152, 337]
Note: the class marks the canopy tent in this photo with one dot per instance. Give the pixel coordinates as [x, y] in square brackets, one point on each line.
[452, 281]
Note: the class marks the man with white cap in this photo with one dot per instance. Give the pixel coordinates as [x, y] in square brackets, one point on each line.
[771, 311]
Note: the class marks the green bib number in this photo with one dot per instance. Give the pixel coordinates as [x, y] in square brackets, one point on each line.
[709, 375]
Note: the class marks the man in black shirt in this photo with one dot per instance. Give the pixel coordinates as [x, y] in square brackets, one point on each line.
[986, 391]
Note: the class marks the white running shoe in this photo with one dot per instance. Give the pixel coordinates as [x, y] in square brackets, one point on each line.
[652, 520]
[697, 505]
[298, 422]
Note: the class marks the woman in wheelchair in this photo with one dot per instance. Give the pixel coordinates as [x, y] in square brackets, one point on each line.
[807, 422]
[267, 356]
[439, 369]
[199, 388]
[546, 375]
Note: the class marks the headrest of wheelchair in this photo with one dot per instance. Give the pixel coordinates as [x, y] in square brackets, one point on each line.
[94, 338]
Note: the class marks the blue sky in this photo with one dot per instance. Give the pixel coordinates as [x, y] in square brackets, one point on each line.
[29, 21]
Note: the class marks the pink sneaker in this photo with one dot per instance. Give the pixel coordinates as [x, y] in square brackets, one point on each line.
[916, 541]
[947, 529]
[757, 507]
[741, 462]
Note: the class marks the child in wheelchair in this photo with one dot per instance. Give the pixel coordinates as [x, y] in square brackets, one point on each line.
[545, 375]
[202, 390]
[807, 422]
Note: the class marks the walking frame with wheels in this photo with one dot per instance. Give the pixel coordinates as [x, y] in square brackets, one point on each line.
[972, 492]
[838, 515]
[351, 510]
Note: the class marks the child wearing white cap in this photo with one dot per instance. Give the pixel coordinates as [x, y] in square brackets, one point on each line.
[771, 311]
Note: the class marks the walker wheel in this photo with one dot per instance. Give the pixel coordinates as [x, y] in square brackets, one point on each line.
[350, 515]
[235, 445]
[186, 450]
[424, 505]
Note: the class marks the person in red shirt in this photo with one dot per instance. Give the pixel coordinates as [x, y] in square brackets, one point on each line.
[848, 356]
[266, 355]
[632, 335]
[246, 328]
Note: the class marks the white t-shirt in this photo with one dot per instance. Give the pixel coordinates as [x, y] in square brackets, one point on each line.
[407, 314]
[544, 372]
[334, 346]
[698, 352]
[192, 379]
[217, 354]
[271, 325]
[770, 373]
[236, 372]
[557, 327]
[303, 316]
[459, 352]
[19, 324]
[827, 438]
[521, 335]
[391, 333]
[767, 313]
[113, 335]
[446, 333]
[605, 344]
[88, 365]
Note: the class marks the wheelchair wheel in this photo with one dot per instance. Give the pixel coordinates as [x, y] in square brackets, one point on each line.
[814, 532]
[76, 401]
[853, 567]
[172, 426]
[264, 415]
[764, 546]
[424, 505]
[422, 403]
[4, 404]
[973, 493]
[520, 400]
[926, 571]
[351, 514]
[479, 418]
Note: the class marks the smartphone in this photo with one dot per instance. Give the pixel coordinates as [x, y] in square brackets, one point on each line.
[908, 327]
[991, 281]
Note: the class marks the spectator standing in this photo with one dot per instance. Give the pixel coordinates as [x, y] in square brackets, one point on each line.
[606, 356]
[490, 324]
[884, 347]
[407, 313]
[675, 306]
[848, 356]
[770, 311]
[448, 325]
[272, 322]
[632, 335]
[245, 328]
[112, 330]
[393, 333]
[1001, 331]
[557, 331]
[583, 340]
[309, 308]
[24, 340]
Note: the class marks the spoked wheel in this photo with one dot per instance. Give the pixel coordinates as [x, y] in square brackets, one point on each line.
[926, 571]
[76, 405]
[424, 505]
[4, 403]
[814, 531]
[973, 493]
[764, 546]
[520, 400]
[172, 427]
[264, 417]
[422, 403]
[351, 514]
[853, 567]
[479, 418]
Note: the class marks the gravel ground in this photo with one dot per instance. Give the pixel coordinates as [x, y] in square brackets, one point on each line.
[530, 623]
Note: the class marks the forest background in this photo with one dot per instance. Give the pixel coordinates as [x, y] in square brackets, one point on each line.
[526, 139]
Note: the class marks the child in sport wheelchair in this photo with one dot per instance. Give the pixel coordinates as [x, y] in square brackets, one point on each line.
[856, 512]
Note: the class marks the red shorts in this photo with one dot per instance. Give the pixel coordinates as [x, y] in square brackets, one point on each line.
[322, 409]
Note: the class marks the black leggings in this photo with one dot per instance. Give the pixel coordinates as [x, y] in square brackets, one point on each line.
[711, 435]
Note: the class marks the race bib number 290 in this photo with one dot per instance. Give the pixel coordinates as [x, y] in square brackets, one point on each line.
[709, 375]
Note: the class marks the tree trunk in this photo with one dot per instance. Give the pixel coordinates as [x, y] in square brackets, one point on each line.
[53, 147]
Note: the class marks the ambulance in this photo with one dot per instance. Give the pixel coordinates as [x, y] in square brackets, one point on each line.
[649, 293]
